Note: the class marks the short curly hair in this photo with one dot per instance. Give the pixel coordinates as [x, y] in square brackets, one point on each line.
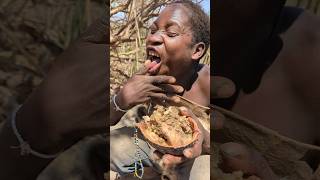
[200, 22]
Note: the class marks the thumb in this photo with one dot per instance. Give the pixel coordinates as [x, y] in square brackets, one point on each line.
[144, 70]
[221, 87]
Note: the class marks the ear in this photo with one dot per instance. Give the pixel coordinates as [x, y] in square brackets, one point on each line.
[198, 51]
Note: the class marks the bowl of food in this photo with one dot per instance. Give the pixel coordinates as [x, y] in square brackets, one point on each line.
[168, 130]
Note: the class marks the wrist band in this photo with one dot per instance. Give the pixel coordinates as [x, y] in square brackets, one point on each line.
[116, 105]
[25, 148]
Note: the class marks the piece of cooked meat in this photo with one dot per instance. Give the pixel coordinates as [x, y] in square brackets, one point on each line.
[168, 127]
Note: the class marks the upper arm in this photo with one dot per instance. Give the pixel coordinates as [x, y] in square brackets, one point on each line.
[204, 84]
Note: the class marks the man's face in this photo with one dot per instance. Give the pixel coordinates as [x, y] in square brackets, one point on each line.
[169, 41]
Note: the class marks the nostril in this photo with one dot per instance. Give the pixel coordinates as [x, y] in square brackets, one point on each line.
[156, 43]
[155, 39]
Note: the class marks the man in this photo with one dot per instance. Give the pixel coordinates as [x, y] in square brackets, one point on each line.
[176, 42]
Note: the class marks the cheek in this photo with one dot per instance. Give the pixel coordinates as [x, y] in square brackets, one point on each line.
[178, 49]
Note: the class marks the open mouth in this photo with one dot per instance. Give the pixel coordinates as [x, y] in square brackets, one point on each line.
[153, 56]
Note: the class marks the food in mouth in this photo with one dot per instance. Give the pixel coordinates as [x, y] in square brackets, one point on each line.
[153, 56]
[167, 130]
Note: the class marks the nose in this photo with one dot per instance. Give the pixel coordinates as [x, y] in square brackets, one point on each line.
[155, 39]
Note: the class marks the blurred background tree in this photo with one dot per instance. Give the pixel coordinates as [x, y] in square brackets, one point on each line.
[32, 34]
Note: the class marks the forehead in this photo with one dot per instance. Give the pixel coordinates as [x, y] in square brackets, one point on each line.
[174, 14]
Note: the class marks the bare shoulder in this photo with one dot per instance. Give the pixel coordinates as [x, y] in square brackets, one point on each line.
[204, 83]
[300, 57]
[204, 76]
[305, 30]
[200, 90]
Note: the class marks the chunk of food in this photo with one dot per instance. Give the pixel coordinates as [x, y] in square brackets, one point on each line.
[167, 130]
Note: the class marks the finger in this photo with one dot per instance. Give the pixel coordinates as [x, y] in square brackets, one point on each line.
[166, 88]
[144, 70]
[162, 96]
[170, 88]
[147, 62]
[162, 79]
[217, 120]
[193, 152]
[235, 158]
[221, 87]
[171, 160]
[238, 157]
[153, 70]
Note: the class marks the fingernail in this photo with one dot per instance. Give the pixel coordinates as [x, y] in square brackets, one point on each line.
[225, 91]
[188, 153]
[181, 89]
[176, 99]
[166, 161]
[172, 80]
[231, 149]
[147, 62]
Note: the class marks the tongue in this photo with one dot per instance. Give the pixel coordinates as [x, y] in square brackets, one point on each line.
[153, 66]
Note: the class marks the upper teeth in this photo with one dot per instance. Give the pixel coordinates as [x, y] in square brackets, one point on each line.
[152, 53]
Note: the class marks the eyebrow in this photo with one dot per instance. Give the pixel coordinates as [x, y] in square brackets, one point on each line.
[170, 23]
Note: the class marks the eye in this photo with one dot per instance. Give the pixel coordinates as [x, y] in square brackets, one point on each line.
[153, 29]
[172, 34]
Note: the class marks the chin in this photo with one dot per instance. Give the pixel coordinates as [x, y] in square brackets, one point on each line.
[164, 70]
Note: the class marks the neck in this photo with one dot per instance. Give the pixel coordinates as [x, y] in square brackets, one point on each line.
[187, 79]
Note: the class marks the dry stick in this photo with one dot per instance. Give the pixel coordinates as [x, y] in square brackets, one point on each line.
[124, 34]
[120, 8]
[32, 61]
[138, 38]
[126, 53]
[137, 25]
[130, 21]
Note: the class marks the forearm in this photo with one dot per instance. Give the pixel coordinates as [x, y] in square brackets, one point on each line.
[14, 166]
[115, 112]
[115, 115]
